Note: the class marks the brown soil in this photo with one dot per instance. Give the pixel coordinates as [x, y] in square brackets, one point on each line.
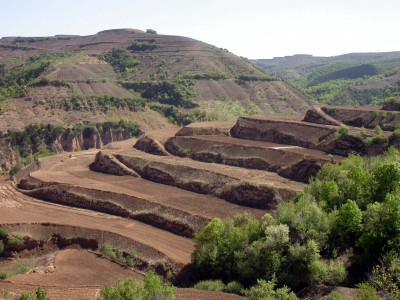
[178, 55]
[153, 142]
[207, 128]
[193, 294]
[25, 111]
[77, 275]
[129, 196]
[293, 162]
[368, 117]
[176, 248]
[294, 131]
[270, 96]
[245, 187]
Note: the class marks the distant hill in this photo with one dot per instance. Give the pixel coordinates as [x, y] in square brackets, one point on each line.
[356, 78]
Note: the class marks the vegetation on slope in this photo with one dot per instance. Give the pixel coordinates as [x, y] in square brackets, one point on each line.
[344, 224]
[39, 140]
[15, 82]
[355, 79]
[150, 288]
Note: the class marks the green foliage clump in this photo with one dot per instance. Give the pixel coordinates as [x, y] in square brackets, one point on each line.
[178, 93]
[210, 285]
[14, 83]
[266, 290]
[245, 250]
[151, 31]
[348, 209]
[342, 131]
[181, 117]
[143, 45]
[108, 103]
[119, 255]
[41, 294]
[150, 289]
[121, 60]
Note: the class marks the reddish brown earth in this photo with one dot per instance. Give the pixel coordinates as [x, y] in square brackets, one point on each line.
[368, 117]
[178, 55]
[80, 275]
[207, 128]
[293, 162]
[173, 197]
[33, 211]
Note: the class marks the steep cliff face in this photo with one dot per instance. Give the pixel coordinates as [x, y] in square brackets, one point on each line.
[8, 157]
[64, 142]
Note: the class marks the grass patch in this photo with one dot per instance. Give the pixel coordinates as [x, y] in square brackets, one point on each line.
[21, 266]
[229, 109]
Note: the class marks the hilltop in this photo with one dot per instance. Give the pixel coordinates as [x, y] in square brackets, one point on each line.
[350, 79]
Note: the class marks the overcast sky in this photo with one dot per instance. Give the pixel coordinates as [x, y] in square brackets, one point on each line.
[250, 28]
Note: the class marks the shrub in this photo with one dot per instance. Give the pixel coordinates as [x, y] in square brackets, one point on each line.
[331, 273]
[342, 131]
[41, 294]
[1, 247]
[367, 292]
[107, 250]
[375, 140]
[234, 287]
[120, 59]
[126, 289]
[3, 275]
[142, 46]
[267, 290]
[26, 296]
[210, 285]
[151, 31]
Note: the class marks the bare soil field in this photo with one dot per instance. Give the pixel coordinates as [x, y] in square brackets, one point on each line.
[83, 72]
[293, 162]
[33, 211]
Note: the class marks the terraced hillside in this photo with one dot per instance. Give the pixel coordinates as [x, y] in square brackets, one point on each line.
[79, 84]
[154, 193]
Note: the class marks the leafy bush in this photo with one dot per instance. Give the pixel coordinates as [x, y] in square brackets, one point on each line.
[342, 131]
[210, 285]
[367, 292]
[143, 46]
[181, 117]
[178, 93]
[352, 209]
[264, 290]
[234, 287]
[126, 289]
[41, 294]
[121, 60]
[151, 31]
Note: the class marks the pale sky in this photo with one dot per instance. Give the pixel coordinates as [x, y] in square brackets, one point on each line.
[249, 28]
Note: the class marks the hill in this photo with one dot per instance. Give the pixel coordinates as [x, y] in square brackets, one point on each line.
[352, 79]
[79, 84]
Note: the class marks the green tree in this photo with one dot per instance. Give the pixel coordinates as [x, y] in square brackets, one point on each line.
[150, 289]
[41, 294]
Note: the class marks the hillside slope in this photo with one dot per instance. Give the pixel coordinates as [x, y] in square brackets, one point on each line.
[355, 79]
[127, 78]
[158, 57]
